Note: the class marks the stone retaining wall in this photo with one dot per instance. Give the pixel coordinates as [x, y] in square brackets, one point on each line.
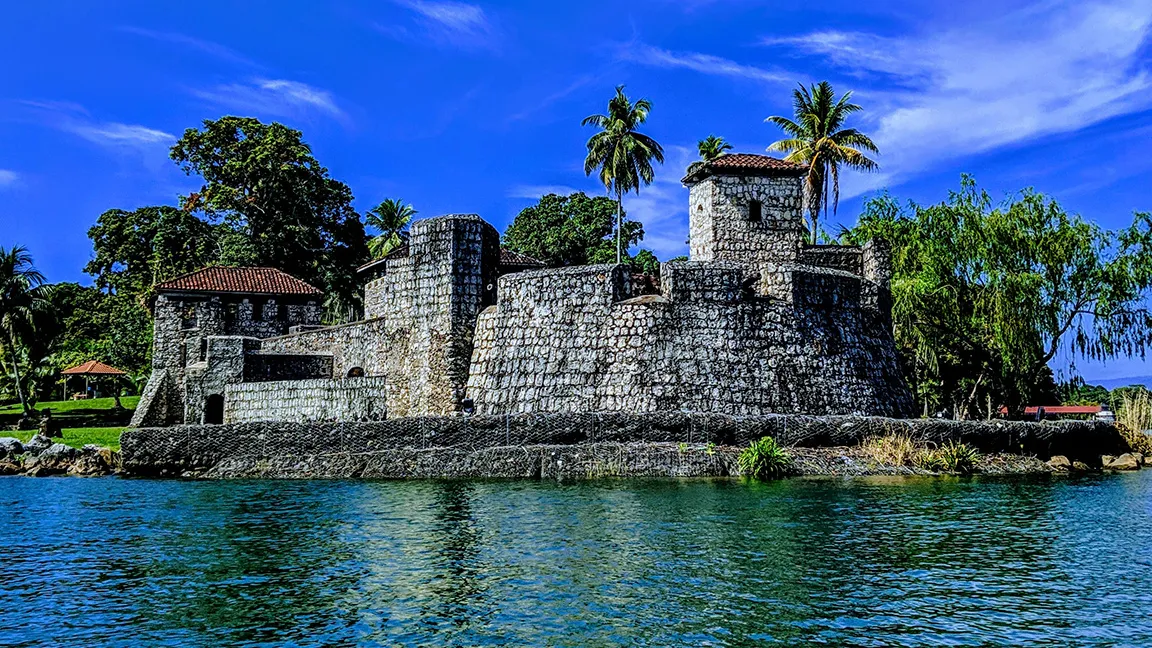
[438, 445]
[303, 401]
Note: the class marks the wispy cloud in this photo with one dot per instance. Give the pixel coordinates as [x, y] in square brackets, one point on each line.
[1052, 68]
[697, 62]
[457, 24]
[75, 119]
[214, 50]
[8, 178]
[663, 206]
[534, 192]
[275, 97]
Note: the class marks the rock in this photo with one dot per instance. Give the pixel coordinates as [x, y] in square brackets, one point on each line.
[1081, 466]
[95, 460]
[1060, 462]
[9, 467]
[10, 447]
[1123, 462]
[57, 458]
[37, 444]
[1107, 459]
[1148, 460]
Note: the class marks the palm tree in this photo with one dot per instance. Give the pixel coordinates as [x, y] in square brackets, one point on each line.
[712, 147]
[392, 218]
[22, 300]
[622, 155]
[816, 138]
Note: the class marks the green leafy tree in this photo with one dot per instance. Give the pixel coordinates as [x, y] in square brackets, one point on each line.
[135, 250]
[391, 218]
[568, 230]
[620, 154]
[985, 297]
[23, 304]
[262, 180]
[645, 261]
[712, 147]
[816, 137]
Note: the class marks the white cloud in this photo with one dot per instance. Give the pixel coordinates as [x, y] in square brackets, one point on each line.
[663, 206]
[275, 97]
[1047, 69]
[703, 63]
[120, 134]
[451, 23]
[8, 178]
[214, 50]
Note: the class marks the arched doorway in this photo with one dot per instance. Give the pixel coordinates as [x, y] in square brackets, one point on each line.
[356, 372]
[214, 410]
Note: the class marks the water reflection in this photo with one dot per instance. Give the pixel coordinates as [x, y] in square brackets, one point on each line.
[801, 562]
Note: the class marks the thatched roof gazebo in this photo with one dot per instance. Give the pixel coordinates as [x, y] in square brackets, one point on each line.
[92, 369]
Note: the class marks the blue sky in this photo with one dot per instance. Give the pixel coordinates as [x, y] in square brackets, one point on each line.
[462, 107]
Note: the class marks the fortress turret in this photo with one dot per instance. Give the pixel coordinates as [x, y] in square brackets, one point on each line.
[747, 209]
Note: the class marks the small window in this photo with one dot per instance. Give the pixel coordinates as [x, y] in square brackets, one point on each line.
[754, 210]
[281, 312]
[203, 349]
[257, 311]
[356, 372]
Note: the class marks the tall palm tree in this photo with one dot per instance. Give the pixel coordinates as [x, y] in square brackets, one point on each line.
[392, 218]
[23, 297]
[817, 138]
[712, 147]
[622, 155]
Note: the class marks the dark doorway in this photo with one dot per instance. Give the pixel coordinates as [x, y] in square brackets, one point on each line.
[356, 372]
[214, 410]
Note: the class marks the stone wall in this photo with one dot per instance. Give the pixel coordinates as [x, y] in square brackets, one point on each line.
[422, 309]
[435, 446]
[302, 401]
[848, 258]
[573, 339]
[721, 227]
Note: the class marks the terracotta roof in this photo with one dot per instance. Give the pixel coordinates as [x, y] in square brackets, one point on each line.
[93, 368]
[744, 164]
[510, 258]
[251, 281]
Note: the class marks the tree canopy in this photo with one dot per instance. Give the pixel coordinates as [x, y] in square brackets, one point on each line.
[569, 230]
[985, 297]
[282, 208]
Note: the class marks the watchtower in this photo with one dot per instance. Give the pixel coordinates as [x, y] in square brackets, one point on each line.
[746, 208]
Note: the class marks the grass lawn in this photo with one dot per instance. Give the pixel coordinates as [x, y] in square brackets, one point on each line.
[79, 437]
[71, 406]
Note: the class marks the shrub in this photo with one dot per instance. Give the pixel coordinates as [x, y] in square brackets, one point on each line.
[763, 459]
[895, 449]
[953, 457]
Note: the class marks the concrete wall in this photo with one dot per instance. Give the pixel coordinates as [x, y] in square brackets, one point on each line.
[573, 340]
[302, 401]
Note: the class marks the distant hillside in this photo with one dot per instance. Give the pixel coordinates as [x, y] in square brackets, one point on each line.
[1113, 383]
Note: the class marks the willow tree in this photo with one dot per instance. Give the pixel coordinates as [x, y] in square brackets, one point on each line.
[23, 298]
[817, 138]
[985, 297]
[621, 154]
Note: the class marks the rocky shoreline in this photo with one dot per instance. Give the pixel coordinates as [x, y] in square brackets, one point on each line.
[41, 457]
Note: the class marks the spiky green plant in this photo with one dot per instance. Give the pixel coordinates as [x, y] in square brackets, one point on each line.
[764, 459]
[952, 457]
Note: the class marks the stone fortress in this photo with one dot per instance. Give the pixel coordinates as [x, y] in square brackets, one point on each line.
[756, 322]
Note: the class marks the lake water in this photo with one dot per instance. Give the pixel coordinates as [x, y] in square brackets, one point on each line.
[870, 562]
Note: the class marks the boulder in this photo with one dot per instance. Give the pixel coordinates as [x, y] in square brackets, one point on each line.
[10, 447]
[1126, 461]
[1148, 460]
[37, 444]
[1060, 462]
[95, 460]
[9, 467]
[1080, 465]
[56, 459]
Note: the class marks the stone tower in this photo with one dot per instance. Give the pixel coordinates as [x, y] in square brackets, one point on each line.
[746, 209]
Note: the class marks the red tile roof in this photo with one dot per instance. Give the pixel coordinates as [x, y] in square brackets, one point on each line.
[93, 368]
[744, 164]
[510, 258]
[250, 281]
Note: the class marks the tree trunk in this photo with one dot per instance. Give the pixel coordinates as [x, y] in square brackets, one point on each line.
[619, 227]
[10, 348]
